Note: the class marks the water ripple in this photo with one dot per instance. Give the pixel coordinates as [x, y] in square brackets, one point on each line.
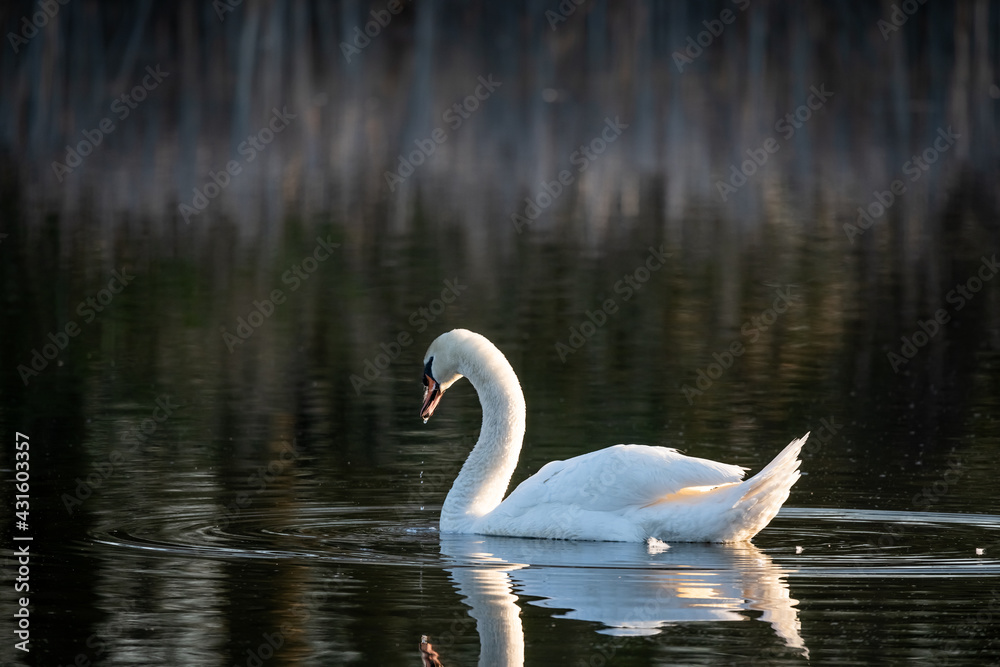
[811, 542]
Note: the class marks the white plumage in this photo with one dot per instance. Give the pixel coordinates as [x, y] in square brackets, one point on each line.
[625, 493]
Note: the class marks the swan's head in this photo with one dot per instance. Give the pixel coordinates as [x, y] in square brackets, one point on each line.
[444, 357]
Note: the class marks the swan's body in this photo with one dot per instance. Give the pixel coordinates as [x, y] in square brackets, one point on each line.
[625, 493]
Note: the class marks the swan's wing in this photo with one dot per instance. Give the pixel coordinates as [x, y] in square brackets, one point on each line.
[617, 478]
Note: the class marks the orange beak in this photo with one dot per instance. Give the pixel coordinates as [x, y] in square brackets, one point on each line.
[432, 396]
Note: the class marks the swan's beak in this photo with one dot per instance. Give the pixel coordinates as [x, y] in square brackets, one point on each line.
[432, 396]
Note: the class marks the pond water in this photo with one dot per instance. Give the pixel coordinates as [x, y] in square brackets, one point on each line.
[298, 579]
[196, 505]
[211, 356]
[364, 583]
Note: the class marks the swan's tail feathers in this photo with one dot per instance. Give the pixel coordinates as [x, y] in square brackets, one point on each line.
[765, 492]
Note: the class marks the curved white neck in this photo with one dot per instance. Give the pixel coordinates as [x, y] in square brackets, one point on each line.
[482, 483]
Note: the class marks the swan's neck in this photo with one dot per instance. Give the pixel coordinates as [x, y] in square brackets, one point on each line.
[481, 485]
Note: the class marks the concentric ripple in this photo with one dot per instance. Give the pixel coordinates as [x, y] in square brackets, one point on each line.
[810, 541]
[349, 534]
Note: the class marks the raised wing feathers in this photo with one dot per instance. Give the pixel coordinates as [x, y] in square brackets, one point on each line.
[617, 478]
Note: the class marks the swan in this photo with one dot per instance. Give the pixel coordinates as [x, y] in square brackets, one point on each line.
[624, 493]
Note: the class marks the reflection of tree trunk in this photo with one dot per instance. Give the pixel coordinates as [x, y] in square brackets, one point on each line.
[189, 105]
[245, 65]
[417, 121]
[958, 105]
[983, 76]
[688, 124]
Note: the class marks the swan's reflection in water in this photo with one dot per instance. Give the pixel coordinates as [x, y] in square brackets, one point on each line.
[632, 589]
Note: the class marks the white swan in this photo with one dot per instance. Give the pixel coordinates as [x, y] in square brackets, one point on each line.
[625, 493]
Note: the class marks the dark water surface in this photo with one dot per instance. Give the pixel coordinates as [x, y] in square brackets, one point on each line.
[224, 463]
[192, 504]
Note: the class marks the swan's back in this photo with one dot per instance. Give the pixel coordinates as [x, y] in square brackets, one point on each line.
[620, 477]
[632, 492]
